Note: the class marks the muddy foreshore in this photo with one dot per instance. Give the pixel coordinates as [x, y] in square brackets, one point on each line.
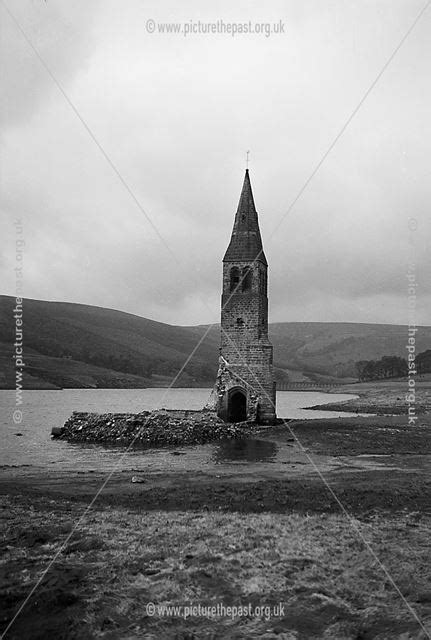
[258, 535]
[401, 480]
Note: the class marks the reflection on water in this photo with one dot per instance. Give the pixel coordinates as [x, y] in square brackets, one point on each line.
[244, 451]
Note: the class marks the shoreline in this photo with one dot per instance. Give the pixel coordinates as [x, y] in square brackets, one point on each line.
[385, 398]
[384, 463]
[232, 533]
[233, 536]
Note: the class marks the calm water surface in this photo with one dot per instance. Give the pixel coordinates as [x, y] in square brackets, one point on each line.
[43, 410]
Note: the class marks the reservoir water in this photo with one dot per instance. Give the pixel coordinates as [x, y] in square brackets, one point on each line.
[42, 410]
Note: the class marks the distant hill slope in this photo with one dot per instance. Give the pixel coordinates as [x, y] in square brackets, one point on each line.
[75, 345]
[333, 348]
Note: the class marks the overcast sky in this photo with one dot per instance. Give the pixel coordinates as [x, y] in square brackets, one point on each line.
[176, 115]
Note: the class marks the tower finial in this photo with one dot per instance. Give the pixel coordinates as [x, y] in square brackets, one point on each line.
[246, 162]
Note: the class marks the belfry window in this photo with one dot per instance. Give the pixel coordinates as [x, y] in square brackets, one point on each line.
[234, 278]
[246, 279]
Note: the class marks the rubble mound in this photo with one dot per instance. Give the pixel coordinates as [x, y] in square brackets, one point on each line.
[149, 428]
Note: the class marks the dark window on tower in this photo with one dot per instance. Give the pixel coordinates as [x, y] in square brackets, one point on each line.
[246, 279]
[234, 278]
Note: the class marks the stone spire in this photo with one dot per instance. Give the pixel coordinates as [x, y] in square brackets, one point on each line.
[246, 243]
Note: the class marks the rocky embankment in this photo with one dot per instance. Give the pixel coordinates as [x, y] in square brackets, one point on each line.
[149, 428]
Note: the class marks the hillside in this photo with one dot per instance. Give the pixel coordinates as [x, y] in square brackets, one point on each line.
[75, 345]
[332, 348]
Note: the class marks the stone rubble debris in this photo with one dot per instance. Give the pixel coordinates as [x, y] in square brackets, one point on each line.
[150, 428]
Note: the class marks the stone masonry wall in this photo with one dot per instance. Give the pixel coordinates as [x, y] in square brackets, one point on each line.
[245, 348]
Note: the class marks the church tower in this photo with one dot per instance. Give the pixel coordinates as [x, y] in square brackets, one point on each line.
[245, 386]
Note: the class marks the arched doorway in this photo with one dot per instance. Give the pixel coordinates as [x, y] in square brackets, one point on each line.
[237, 406]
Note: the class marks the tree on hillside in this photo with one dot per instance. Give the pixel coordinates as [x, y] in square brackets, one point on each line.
[386, 367]
[423, 362]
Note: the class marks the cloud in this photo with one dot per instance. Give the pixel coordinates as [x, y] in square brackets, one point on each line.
[61, 36]
[175, 116]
